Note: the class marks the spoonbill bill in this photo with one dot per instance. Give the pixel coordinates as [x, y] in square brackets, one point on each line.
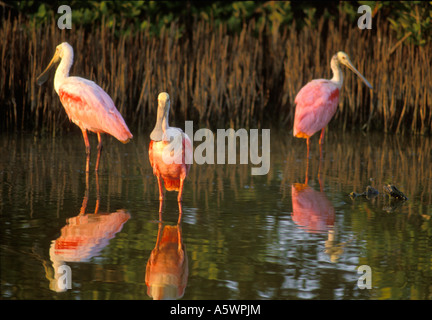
[317, 101]
[169, 143]
[86, 104]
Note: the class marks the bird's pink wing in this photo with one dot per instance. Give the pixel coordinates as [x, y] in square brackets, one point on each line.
[316, 103]
[91, 108]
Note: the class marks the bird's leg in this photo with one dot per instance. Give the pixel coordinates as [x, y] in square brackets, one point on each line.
[321, 141]
[99, 141]
[180, 212]
[86, 196]
[88, 162]
[86, 141]
[99, 147]
[161, 195]
[158, 238]
[320, 178]
[307, 143]
[160, 209]
[97, 194]
[179, 233]
[87, 145]
[180, 194]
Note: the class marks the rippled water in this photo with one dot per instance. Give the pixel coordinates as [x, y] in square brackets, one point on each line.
[239, 237]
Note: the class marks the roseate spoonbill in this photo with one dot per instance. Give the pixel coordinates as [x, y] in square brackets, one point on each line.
[163, 139]
[317, 101]
[86, 104]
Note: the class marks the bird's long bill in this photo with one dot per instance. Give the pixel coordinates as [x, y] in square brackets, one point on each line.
[349, 65]
[44, 75]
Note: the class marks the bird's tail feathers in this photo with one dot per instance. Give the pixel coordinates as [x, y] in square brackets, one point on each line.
[172, 185]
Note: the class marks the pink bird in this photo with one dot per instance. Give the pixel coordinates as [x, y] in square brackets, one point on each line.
[316, 102]
[86, 104]
[170, 151]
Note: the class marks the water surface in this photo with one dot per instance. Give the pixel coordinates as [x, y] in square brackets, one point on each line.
[239, 237]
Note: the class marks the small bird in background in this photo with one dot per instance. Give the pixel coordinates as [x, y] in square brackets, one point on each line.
[317, 101]
[170, 151]
[86, 104]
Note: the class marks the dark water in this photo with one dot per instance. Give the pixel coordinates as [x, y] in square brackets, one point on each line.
[240, 236]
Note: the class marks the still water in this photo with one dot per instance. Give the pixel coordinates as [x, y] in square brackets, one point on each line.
[239, 236]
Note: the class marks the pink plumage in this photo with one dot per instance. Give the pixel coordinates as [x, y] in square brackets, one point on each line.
[170, 151]
[316, 104]
[86, 104]
[171, 173]
[92, 109]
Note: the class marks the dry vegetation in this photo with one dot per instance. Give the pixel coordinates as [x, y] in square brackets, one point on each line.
[248, 79]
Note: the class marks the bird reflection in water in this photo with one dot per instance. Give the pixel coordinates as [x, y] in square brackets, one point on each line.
[314, 213]
[83, 237]
[167, 268]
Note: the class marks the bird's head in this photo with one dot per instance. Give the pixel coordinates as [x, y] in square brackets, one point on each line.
[343, 58]
[164, 101]
[62, 50]
[164, 104]
[162, 117]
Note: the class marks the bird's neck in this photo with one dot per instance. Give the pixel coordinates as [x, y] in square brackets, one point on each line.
[165, 125]
[337, 72]
[161, 124]
[62, 71]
